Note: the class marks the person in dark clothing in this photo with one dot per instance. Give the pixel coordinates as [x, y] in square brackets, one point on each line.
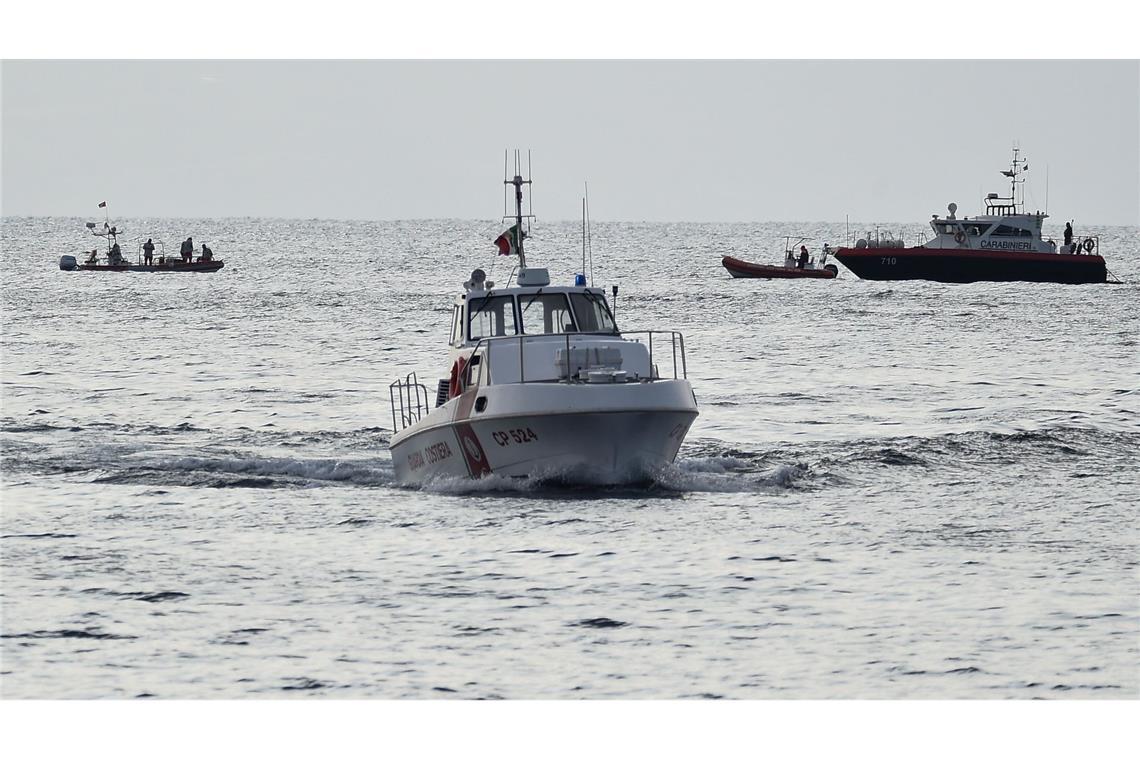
[116, 255]
[803, 257]
[207, 254]
[148, 252]
[187, 250]
[1068, 234]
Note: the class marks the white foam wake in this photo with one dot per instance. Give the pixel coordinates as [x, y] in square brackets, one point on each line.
[363, 472]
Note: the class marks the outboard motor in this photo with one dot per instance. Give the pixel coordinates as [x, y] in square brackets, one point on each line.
[68, 263]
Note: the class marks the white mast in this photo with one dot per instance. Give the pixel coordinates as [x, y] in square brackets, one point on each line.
[1017, 166]
[589, 234]
[583, 236]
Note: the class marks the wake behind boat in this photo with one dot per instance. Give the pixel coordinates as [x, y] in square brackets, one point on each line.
[794, 266]
[1003, 244]
[542, 383]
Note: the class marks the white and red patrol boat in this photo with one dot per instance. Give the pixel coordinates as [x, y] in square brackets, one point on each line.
[1003, 244]
[542, 384]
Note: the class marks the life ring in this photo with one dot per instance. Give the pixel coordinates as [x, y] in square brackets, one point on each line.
[1089, 245]
[455, 385]
[960, 237]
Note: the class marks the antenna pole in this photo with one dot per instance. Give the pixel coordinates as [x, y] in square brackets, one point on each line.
[518, 182]
[589, 232]
[583, 237]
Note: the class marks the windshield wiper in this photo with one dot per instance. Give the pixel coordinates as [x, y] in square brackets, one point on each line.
[600, 301]
[485, 304]
[533, 298]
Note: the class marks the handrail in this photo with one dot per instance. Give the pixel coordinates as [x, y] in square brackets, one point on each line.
[1079, 241]
[413, 398]
[412, 408]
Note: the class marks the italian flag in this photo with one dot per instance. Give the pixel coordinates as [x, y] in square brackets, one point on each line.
[508, 242]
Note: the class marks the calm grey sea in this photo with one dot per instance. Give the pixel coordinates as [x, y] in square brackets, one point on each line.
[894, 490]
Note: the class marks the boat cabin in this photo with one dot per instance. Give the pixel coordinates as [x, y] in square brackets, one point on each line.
[547, 333]
[1004, 226]
[496, 313]
[1000, 228]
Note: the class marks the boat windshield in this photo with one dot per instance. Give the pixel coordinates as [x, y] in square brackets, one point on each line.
[546, 313]
[491, 317]
[592, 312]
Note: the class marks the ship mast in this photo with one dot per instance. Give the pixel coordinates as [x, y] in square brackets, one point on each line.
[517, 181]
[1017, 166]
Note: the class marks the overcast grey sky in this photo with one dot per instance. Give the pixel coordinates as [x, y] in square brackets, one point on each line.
[660, 141]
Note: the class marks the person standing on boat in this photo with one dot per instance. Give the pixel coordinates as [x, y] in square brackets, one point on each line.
[803, 257]
[116, 255]
[148, 252]
[187, 250]
[1069, 235]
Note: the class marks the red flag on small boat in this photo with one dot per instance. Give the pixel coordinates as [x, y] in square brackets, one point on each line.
[102, 204]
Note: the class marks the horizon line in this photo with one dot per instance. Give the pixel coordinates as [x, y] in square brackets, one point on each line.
[552, 221]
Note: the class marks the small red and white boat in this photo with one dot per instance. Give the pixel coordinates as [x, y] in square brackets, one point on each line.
[794, 266]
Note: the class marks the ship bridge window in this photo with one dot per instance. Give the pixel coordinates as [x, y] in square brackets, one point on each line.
[546, 313]
[1004, 230]
[974, 230]
[592, 313]
[491, 317]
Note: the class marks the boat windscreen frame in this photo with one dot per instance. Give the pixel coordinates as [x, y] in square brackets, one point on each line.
[597, 299]
[486, 300]
[531, 298]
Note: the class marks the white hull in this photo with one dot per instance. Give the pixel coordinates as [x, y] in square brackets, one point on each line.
[580, 433]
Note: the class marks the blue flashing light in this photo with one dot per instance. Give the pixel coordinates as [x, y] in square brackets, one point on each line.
[579, 280]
